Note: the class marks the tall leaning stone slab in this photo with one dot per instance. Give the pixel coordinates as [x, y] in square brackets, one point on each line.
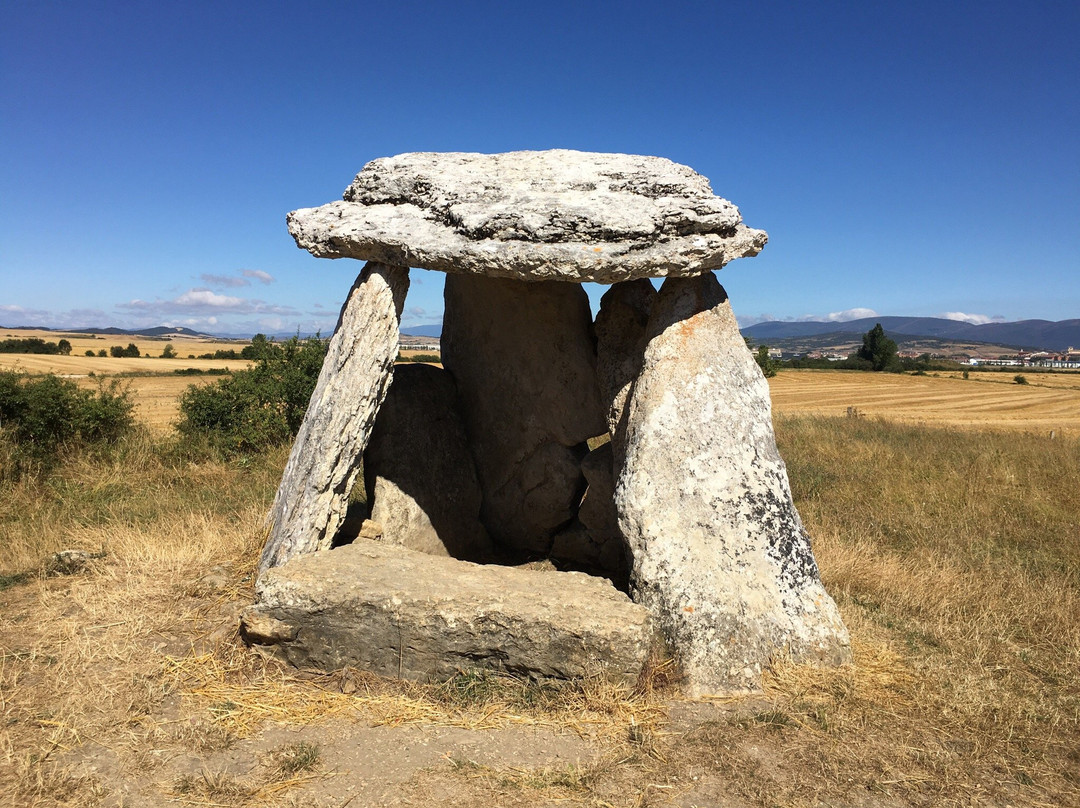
[720, 556]
[313, 496]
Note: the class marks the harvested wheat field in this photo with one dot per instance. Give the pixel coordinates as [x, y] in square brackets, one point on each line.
[1047, 402]
[81, 343]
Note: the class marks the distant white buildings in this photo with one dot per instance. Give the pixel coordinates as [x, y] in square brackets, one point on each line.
[1041, 359]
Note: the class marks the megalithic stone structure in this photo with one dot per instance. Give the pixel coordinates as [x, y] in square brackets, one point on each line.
[313, 496]
[689, 508]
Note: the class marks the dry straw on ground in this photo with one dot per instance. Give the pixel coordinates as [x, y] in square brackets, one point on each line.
[954, 556]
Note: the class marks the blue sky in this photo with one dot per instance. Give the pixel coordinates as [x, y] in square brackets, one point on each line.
[906, 158]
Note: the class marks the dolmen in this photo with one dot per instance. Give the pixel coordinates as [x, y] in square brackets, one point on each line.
[565, 495]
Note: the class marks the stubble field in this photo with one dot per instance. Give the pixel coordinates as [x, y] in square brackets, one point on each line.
[1049, 401]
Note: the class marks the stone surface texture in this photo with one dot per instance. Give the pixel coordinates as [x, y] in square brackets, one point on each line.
[720, 555]
[620, 328]
[313, 496]
[418, 471]
[523, 358]
[593, 543]
[533, 215]
[396, 612]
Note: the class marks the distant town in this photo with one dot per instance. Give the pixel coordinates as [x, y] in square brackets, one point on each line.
[1069, 358]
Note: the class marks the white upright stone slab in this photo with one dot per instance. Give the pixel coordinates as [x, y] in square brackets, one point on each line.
[313, 496]
[720, 556]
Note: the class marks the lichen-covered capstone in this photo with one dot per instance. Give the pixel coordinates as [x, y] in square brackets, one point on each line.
[532, 215]
[720, 555]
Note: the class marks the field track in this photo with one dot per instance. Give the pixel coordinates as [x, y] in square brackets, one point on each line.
[1047, 402]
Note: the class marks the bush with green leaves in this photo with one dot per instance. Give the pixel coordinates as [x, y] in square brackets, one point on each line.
[42, 416]
[256, 408]
[119, 352]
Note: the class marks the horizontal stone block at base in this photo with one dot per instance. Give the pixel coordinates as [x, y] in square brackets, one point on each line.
[397, 612]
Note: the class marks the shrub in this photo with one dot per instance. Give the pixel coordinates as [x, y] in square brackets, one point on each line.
[131, 350]
[1019, 378]
[31, 345]
[43, 416]
[256, 408]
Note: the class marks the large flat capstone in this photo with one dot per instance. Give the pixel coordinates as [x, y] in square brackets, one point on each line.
[397, 612]
[533, 215]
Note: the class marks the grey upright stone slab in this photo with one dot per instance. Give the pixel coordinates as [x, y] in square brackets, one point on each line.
[396, 612]
[621, 326]
[524, 360]
[593, 542]
[720, 555]
[418, 471]
[313, 496]
[532, 215]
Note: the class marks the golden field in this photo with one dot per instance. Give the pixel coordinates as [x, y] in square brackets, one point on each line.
[1048, 402]
[81, 343]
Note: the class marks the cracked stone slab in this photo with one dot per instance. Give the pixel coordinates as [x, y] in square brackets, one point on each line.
[533, 215]
[720, 554]
[398, 612]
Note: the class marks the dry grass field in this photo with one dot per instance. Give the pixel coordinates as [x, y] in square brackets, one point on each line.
[154, 387]
[81, 343]
[985, 400]
[954, 555]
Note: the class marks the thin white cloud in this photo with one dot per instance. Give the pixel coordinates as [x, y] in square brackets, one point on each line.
[259, 275]
[204, 297]
[230, 281]
[974, 319]
[202, 301]
[849, 314]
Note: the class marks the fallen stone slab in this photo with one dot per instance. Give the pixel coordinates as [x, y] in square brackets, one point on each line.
[397, 612]
[532, 215]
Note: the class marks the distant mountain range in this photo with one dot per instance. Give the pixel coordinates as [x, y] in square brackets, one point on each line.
[1043, 335]
[434, 330]
[156, 331]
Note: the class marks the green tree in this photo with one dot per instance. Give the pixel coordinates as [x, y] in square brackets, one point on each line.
[260, 348]
[169, 352]
[64, 346]
[879, 350]
[768, 365]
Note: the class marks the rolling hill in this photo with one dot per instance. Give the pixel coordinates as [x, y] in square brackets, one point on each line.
[1044, 335]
